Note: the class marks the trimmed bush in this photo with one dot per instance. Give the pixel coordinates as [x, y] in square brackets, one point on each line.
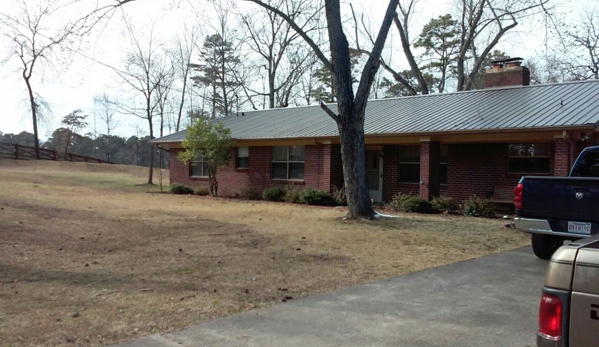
[339, 196]
[201, 191]
[416, 204]
[398, 200]
[316, 197]
[478, 207]
[250, 194]
[292, 194]
[178, 188]
[273, 194]
[443, 204]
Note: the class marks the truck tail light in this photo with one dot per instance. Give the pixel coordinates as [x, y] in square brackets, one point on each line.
[518, 195]
[550, 318]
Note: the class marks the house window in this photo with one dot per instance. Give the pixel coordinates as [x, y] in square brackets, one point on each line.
[528, 158]
[443, 165]
[409, 164]
[198, 168]
[288, 163]
[242, 158]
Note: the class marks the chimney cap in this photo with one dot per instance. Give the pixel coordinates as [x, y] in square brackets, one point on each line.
[503, 62]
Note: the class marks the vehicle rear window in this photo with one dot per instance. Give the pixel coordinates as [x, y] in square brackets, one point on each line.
[588, 166]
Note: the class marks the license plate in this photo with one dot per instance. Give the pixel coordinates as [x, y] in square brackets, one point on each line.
[579, 228]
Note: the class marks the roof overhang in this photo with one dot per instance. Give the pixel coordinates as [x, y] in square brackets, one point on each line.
[465, 136]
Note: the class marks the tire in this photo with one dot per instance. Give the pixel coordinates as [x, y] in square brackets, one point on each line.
[543, 245]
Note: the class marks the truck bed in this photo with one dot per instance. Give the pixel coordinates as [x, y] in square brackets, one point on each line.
[564, 199]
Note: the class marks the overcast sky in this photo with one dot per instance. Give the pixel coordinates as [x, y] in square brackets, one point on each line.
[72, 84]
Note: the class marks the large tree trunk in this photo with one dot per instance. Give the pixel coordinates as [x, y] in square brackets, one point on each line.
[354, 170]
[350, 117]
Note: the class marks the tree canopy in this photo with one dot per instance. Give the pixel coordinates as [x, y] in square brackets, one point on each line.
[208, 145]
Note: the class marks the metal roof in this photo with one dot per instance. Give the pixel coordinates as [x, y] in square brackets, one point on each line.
[522, 107]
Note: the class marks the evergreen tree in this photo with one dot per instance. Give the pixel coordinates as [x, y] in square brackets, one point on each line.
[217, 72]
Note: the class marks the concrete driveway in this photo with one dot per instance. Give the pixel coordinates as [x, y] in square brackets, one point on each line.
[490, 301]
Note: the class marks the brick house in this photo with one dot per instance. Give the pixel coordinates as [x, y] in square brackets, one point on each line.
[455, 144]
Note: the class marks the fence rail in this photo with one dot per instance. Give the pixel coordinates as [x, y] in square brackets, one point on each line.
[20, 152]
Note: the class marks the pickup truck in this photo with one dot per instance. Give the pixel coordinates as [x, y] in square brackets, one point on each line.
[569, 310]
[555, 209]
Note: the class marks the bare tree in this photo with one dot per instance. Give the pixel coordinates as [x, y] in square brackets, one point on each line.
[482, 24]
[34, 44]
[163, 89]
[350, 107]
[108, 112]
[273, 39]
[108, 117]
[144, 73]
[582, 47]
[402, 24]
[185, 46]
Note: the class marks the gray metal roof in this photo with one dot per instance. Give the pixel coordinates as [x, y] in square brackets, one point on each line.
[523, 107]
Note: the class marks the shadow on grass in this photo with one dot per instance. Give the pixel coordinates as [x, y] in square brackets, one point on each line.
[126, 281]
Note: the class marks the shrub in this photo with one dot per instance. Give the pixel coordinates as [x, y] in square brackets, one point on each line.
[178, 188]
[398, 200]
[478, 207]
[316, 197]
[292, 194]
[443, 204]
[339, 196]
[273, 194]
[416, 204]
[201, 191]
[250, 194]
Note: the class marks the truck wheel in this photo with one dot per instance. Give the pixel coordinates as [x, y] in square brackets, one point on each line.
[543, 245]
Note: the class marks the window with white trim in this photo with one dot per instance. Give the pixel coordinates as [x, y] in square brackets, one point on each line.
[288, 163]
[529, 158]
[242, 158]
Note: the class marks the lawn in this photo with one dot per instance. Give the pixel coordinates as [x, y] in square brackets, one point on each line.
[90, 256]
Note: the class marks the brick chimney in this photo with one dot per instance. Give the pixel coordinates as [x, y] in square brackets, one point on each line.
[507, 72]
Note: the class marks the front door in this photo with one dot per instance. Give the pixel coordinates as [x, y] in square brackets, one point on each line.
[374, 175]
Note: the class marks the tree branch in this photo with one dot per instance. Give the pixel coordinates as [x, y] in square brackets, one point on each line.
[371, 66]
[330, 113]
[299, 30]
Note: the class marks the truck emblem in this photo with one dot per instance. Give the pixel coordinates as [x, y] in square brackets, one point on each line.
[579, 196]
[594, 315]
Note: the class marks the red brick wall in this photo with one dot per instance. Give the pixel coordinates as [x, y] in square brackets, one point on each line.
[511, 76]
[391, 185]
[563, 162]
[320, 170]
[561, 158]
[336, 167]
[473, 169]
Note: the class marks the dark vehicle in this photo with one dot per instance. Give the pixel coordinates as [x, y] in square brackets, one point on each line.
[554, 209]
[569, 309]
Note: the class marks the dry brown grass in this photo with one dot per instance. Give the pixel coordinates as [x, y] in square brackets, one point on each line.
[88, 257]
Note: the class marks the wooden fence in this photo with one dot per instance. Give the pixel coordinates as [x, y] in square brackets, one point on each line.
[20, 152]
